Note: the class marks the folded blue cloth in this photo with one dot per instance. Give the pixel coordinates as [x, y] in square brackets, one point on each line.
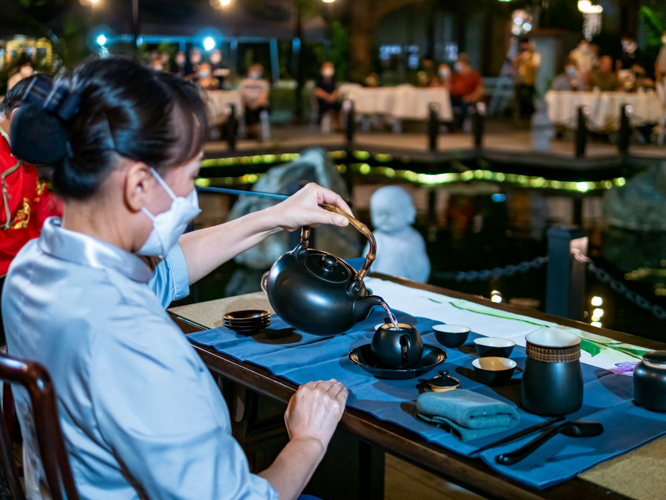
[466, 414]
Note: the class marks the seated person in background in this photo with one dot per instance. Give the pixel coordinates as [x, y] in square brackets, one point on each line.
[26, 203]
[178, 66]
[660, 63]
[25, 68]
[584, 57]
[466, 87]
[443, 77]
[327, 94]
[218, 72]
[401, 249]
[166, 61]
[631, 54]
[254, 94]
[192, 67]
[604, 78]
[568, 80]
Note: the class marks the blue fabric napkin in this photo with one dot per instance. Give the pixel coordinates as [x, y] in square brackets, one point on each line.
[467, 415]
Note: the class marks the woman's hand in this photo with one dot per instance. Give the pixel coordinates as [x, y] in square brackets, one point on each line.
[315, 410]
[304, 209]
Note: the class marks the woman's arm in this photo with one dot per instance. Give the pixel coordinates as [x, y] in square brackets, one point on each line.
[311, 418]
[209, 248]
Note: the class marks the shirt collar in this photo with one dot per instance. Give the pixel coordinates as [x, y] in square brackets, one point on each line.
[88, 251]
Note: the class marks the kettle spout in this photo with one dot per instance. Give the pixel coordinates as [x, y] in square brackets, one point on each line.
[364, 305]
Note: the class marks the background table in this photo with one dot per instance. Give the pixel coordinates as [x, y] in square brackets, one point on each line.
[403, 102]
[604, 108]
[218, 102]
[636, 474]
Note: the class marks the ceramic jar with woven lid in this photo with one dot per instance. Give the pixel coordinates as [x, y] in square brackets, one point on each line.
[650, 381]
[552, 379]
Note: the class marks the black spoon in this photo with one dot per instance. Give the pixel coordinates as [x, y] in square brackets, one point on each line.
[578, 428]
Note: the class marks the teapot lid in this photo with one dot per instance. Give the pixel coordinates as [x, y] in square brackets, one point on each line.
[327, 267]
[656, 358]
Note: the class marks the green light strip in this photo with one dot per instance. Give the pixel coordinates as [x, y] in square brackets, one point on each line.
[409, 175]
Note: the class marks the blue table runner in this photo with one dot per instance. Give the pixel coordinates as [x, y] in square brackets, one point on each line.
[301, 358]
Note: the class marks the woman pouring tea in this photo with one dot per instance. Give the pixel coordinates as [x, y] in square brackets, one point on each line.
[141, 415]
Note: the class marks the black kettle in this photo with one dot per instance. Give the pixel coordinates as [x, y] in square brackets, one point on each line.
[317, 292]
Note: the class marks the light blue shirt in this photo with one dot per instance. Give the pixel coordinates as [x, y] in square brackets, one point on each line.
[140, 412]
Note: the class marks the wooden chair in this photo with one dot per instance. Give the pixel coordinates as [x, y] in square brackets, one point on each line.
[36, 380]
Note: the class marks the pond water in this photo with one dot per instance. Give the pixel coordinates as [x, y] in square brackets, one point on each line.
[483, 224]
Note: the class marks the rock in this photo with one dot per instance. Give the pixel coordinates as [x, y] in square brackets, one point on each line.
[639, 205]
[313, 165]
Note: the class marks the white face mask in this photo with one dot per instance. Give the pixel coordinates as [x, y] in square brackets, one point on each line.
[204, 73]
[458, 66]
[255, 75]
[170, 225]
[444, 73]
[571, 70]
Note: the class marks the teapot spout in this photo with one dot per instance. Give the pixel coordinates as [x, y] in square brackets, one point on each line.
[364, 305]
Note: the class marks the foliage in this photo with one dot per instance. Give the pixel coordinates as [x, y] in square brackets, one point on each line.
[340, 50]
[654, 28]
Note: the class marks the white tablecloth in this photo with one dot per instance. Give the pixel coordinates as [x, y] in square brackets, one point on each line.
[604, 108]
[218, 101]
[402, 102]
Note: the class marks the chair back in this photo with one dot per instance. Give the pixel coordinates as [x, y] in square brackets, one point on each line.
[36, 380]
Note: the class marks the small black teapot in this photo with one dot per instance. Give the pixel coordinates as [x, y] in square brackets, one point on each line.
[399, 347]
[317, 292]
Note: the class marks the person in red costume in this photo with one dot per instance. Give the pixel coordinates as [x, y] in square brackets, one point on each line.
[26, 202]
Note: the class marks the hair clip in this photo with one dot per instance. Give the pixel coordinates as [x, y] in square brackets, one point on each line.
[57, 101]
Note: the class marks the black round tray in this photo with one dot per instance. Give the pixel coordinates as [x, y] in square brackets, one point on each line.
[364, 357]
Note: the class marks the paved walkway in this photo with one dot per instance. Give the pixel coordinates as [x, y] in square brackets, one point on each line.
[505, 139]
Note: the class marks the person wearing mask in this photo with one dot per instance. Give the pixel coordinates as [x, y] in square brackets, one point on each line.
[569, 80]
[178, 66]
[584, 58]
[219, 72]
[254, 95]
[629, 58]
[140, 413]
[25, 69]
[466, 87]
[525, 64]
[192, 67]
[604, 79]
[26, 202]
[165, 59]
[326, 91]
[660, 63]
[443, 78]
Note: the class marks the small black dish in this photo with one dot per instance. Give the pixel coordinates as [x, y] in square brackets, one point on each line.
[364, 357]
[494, 370]
[246, 315]
[451, 335]
[493, 346]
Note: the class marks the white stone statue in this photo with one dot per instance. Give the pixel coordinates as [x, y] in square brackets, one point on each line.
[400, 248]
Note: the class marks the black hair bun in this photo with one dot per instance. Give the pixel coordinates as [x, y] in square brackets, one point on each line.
[37, 136]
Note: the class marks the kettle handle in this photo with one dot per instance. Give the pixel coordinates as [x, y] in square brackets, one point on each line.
[362, 228]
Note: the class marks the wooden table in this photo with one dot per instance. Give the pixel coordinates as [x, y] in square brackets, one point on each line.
[472, 474]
